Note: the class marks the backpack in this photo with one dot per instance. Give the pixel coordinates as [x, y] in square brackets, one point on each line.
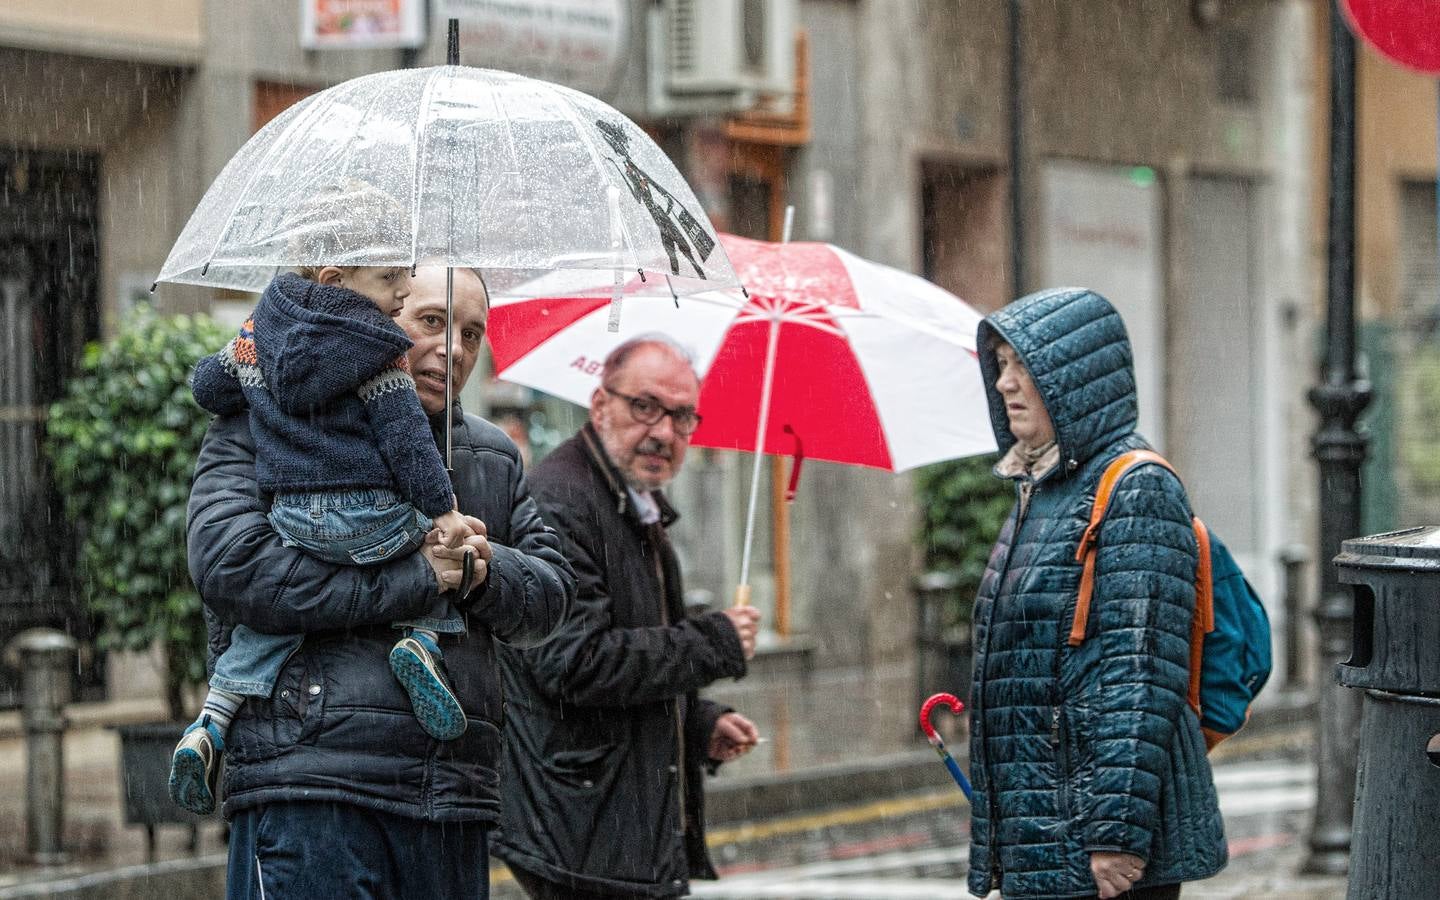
[1230, 636]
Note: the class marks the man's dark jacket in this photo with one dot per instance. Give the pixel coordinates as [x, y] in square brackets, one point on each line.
[339, 727]
[606, 740]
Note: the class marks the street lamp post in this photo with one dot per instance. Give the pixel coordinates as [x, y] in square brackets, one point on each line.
[1017, 151]
[1340, 450]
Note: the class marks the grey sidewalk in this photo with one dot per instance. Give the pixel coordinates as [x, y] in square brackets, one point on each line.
[840, 737]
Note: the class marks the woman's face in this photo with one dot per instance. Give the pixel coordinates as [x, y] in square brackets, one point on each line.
[423, 319]
[1029, 420]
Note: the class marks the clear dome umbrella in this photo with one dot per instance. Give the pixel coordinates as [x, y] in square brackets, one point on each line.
[454, 166]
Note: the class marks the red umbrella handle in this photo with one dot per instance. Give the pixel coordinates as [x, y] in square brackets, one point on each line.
[948, 700]
[799, 456]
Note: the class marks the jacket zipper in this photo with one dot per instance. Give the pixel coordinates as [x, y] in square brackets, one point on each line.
[997, 872]
[1062, 764]
[679, 721]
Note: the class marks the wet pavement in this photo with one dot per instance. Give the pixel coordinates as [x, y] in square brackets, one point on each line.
[890, 844]
[96, 836]
[914, 845]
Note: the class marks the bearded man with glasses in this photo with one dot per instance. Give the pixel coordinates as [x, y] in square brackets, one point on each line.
[606, 738]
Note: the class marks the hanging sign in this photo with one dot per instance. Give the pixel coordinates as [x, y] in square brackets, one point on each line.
[361, 24]
[1406, 31]
[577, 43]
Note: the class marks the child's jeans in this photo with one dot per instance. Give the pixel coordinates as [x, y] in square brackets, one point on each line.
[353, 528]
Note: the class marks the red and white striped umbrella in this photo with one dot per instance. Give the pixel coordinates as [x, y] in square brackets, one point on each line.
[862, 363]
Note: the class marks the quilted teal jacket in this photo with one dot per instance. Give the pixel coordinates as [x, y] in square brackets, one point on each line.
[1079, 749]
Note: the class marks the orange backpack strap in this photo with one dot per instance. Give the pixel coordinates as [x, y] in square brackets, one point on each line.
[1204, 621]
[1085, 554]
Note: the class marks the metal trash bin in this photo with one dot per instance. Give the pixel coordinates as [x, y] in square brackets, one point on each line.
[1395, 660]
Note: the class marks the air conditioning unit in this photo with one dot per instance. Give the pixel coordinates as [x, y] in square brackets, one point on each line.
[742, 48]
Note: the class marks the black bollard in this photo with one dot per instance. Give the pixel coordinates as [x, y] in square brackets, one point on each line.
[45, 659]
[1293, 558]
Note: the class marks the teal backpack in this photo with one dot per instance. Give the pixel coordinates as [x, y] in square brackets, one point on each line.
[1230, 637]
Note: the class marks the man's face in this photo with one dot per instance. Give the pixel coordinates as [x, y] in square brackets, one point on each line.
[648, 456]
[423, 319]
[1029, 420]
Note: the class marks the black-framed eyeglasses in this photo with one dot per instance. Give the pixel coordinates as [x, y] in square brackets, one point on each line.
[649, 411]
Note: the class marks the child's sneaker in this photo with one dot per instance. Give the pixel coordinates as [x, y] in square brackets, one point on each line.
[416, 662]
[194, 765]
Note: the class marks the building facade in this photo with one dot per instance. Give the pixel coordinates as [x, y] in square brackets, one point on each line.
[1172, 158]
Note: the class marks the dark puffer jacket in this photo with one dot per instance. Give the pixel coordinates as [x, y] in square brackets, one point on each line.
[606, 741]
[1090, 748]
[338, 726]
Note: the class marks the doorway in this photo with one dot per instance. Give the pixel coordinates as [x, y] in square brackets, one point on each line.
[1216, 364]
[964, 240]
[49, 308]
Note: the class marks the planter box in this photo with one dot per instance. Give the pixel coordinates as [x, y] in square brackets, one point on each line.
[943, 664]
[942, 654]
[145, 751]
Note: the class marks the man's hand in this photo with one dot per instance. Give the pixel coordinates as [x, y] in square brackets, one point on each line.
[733, 737]
[449, 563]
[746, 620]
[1115, 873]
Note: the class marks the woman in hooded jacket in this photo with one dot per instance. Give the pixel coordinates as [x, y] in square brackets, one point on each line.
[1089, 767]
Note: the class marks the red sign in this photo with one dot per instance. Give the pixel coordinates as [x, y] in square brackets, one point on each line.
[359, 24]
[1406, 31]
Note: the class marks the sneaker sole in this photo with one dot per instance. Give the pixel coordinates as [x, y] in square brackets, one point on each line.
[436, 709]
[188, 785]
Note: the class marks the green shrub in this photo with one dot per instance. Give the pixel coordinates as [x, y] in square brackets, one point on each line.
[1420, 435]
[122, 443]
[964, 507]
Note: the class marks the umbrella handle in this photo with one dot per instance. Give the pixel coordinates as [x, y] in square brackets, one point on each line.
[955, 706]
[799, 457]
[949, 700]
[742, 595]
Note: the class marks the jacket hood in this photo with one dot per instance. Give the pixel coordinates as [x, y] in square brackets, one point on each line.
[1074, 344]
[309, 332]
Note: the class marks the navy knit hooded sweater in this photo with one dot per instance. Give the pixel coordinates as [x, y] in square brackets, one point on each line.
[332, 404]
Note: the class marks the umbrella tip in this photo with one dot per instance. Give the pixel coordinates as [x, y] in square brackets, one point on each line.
[641, 272]
[153, 286]
[204, 269]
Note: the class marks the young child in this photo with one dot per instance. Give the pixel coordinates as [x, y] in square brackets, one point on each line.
[344, 447]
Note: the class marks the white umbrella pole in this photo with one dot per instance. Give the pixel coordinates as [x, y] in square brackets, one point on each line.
[449, 363]
[612, 200]
[742, 593]
[452, 58]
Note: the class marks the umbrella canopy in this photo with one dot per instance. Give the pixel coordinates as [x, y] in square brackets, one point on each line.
[452, 166]
[869, 365]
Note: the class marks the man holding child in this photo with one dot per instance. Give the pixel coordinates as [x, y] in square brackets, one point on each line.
[333, 784]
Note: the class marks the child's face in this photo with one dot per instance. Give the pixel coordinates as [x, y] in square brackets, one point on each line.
[387, 286]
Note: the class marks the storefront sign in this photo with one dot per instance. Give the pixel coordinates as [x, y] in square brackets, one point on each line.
[577, 43]
[361, 24]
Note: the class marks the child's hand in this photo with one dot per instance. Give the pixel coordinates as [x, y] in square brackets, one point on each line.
[453, 529]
